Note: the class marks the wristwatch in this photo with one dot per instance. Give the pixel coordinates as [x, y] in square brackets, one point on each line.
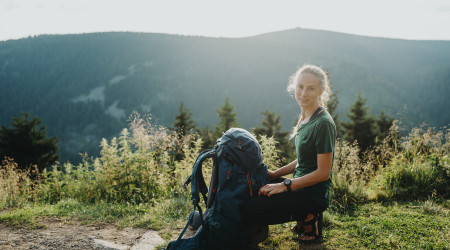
[287, 182]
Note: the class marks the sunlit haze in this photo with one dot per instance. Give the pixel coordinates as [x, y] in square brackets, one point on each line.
[405, 19]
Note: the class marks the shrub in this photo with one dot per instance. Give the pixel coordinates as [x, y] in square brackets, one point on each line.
[138, 167]
[426, 141]
[15, 184]
[191, 148]
[348, 177]
[421, 169]
[416, 180]
[270, 152]
[430, 207]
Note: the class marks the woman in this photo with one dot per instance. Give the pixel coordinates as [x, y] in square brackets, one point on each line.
[307, 195]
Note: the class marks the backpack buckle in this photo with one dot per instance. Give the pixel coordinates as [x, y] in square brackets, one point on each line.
[189, 179]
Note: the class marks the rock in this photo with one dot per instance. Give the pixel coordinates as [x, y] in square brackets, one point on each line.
[109, 245]
[149, 240]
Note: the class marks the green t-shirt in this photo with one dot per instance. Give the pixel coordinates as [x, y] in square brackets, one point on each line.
[318, 136]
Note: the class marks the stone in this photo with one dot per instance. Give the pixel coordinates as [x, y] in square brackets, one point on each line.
[149, 240]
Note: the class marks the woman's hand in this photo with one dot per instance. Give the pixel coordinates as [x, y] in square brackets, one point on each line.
[271, 189]
[272, 175]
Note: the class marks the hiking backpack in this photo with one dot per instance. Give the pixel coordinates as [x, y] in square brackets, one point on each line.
[237, 175]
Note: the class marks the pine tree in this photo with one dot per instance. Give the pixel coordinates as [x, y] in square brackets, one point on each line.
[27, 143]
[384, 123]
[271, 126]
[227, 118]
[361, 126]
[207, 137]
[183, 124]
[332, 109]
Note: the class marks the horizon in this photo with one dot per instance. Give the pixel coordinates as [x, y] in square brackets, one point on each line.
[408, 20]
[218, 37]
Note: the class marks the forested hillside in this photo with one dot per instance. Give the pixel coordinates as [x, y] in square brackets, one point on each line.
[85, 86]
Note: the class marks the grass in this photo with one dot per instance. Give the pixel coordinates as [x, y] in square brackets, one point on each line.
[410, 225]
[123, 215]
[390, 226]
[73, 210]
[375, 226]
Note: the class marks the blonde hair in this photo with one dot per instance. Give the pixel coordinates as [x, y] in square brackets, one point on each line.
[321, 76]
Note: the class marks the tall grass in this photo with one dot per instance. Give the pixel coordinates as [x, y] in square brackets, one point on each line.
[137, 167]
[143, 166]
[421, 170]
[270, 152]
[15, 185]
[349, 176]
[415, 167]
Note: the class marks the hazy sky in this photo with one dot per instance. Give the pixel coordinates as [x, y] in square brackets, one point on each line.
[407, 19]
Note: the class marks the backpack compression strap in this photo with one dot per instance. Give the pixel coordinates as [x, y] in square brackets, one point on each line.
[191, 217]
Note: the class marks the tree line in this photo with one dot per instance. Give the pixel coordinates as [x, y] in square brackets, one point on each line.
[28, 144]
[364, 128]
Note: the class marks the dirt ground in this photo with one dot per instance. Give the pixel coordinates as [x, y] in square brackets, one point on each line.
[57, 234]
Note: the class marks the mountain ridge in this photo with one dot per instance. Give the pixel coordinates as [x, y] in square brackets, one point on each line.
[84, 86]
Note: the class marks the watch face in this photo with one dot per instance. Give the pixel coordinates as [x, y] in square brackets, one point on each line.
[287, 182]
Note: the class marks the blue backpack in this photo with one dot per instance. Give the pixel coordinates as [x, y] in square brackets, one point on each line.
[237, 175]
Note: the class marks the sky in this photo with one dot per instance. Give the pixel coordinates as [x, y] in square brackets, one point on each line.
[403, 19]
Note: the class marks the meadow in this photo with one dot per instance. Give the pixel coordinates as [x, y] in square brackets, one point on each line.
[394, 195]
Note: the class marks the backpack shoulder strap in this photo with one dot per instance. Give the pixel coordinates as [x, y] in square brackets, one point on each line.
[316, 113]
[198, 184]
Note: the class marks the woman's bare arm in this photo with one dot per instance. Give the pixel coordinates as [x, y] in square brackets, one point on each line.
[322, 173]
[287, 169]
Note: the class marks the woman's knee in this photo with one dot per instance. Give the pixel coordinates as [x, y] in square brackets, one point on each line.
[255, 209]
[249, 211]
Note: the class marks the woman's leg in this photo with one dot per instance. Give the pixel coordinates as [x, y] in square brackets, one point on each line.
[279, 208]
[312, 226]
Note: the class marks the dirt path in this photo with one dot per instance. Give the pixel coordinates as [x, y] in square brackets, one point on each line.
[57, 234]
